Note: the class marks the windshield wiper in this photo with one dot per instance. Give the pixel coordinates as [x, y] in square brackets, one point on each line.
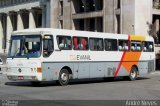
[27, 56]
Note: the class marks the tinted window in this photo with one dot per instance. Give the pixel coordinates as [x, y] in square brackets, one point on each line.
[80, 43]
[148, 46]
[48, 46]
[136, 46]
[64, 42]
[110, 44]
[123, 45]
[96, 44]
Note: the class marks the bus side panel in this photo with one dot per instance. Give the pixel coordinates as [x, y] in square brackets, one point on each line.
[151, 66]
[146, 67]
[83, 70]
[51, 70]
[123, 72]
[97, 69]
[110, 68]
[143, 67]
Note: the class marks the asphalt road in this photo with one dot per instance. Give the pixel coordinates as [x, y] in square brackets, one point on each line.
[145, 88]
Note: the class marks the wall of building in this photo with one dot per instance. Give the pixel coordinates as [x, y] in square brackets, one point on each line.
[22, 14]
[112, 16]
[128, 16]
[143, 16]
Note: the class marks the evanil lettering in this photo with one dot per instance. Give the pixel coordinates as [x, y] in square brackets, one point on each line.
[83, 57]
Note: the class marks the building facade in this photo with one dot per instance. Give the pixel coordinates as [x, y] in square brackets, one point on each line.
[141, 17]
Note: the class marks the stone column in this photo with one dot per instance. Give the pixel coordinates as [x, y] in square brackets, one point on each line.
[32, 23]
[108, 22]
[48, 14]
[9, 30]
[43, 16]
[20, 25]
[1, 34]
[54, 14]
[67, 15]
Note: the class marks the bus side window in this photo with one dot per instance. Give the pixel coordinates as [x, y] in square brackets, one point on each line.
[80, 43]
[84, 44]
[111, 45]
[148, 46]
[64, 42]
[75, 43]
[96, 44]
[136, 46]
[48, 46]
[123, 45]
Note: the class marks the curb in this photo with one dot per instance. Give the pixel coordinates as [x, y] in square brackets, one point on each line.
[156, 72]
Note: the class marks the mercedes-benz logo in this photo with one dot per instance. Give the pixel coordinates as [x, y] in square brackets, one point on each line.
[19, 70]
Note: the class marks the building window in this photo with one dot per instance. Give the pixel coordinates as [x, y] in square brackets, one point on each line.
[118, 24]
[90, 24]
[118, 4]
[61, 7]
[81, 6]
[61, 24]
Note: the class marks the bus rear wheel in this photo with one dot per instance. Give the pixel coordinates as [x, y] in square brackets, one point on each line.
[63, 77]
[133, 74]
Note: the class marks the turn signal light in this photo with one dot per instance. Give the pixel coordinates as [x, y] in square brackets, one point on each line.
[39, 70]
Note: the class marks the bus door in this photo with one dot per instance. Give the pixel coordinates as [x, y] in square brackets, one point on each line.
[48, 48]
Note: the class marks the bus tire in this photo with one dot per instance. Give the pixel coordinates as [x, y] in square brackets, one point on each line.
[63, 77]
[133, 74]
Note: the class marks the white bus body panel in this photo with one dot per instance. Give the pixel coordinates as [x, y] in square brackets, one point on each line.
[26, 68]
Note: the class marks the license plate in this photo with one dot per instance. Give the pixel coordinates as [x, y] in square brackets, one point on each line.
[20, 77]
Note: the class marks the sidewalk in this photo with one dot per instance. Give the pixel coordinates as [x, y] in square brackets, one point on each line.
[157, 72]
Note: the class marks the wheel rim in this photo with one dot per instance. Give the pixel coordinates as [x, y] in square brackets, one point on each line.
[64, 77]
[133, 74]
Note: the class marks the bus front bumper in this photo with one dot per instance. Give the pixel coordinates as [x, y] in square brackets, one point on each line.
[22, 78]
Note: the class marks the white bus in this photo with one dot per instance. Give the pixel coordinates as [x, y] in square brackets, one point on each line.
[44, 54]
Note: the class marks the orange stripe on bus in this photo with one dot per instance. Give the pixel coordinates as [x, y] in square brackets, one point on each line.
[130, 58]
[121, 62]
[119, 66]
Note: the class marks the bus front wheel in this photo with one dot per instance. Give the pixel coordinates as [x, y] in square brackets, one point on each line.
[63, 77]
[133, 74]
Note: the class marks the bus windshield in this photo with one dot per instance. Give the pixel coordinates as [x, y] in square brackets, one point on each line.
[25, 46]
